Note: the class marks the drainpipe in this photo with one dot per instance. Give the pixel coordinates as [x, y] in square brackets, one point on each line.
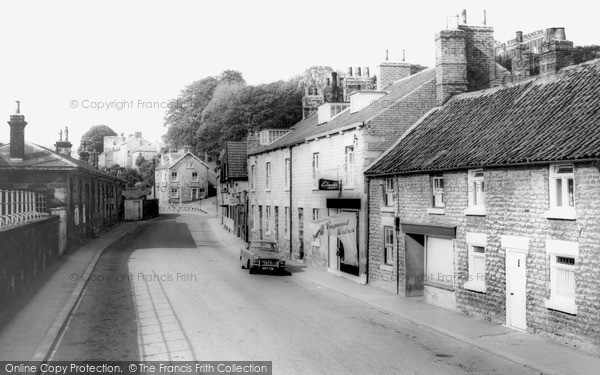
[367, 211]
[291, 215]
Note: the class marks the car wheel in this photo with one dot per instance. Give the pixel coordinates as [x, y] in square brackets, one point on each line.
[251, 269]
[241, 262]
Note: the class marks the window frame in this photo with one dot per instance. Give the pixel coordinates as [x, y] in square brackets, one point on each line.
[287, 222]
[388, 248]
[174, 177]
[268, 176]
[286, 166]
[315, 170]
[196, 178]
[561, 211]
[349, 167]
[388, 192]
[267, 220]
[475, 282]
[475, 194]
[437, 191]
[253, 177]
[569, 250]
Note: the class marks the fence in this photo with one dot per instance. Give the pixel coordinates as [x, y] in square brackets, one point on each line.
[18, 207]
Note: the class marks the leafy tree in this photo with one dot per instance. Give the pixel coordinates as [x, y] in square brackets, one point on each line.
[184, 113]
[94, 137]
[146, 170]
[237, 109]
[586, 53]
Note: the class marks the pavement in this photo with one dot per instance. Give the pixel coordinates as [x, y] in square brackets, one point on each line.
[29, 331]
[30, 326]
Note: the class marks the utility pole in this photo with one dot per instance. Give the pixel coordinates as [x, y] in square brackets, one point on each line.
[153, 177]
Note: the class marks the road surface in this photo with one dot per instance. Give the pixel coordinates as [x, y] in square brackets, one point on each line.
[171, 291]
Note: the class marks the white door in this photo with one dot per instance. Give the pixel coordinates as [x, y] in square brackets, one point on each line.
[333, 258]
[516, 289]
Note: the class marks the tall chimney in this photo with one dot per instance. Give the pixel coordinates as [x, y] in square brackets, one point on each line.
[389, 72]
[521, 62]
[556, 52]
[17, 134]
[63, 146]
[450, 64]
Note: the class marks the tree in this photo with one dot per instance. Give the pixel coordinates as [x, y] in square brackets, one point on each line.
[235, 110]
[184, 113]
[94, 137]
[146, 170]
[586, 53]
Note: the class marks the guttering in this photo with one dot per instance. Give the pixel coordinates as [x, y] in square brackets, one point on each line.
[335, 131]
[500, 165]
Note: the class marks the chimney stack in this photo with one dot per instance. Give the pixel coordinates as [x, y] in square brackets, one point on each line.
[63, 146]
[465, 60]
[556, 52]
[17, 134]
[389, 72]
[84, 155]
[521, 63]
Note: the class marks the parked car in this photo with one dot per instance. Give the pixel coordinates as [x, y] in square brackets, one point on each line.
[262, 255]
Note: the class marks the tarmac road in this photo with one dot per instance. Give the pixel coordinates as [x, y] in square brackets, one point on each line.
[171, 291]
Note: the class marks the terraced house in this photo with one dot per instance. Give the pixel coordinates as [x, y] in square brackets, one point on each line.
[496, 200]
[306, 186]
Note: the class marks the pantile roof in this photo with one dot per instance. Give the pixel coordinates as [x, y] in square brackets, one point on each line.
[547, 119]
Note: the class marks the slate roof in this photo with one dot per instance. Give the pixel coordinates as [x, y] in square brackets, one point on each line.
[548, 119]
[235, 159]
[308, 127]
[41, 158]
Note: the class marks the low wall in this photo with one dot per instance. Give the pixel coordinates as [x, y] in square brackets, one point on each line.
[25, 253]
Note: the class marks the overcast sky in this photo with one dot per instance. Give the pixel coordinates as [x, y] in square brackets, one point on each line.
[62, 58]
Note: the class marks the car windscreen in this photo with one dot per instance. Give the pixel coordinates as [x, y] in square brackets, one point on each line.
[263, 246]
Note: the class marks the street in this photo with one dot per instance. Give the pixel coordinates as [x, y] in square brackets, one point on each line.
[171, 291]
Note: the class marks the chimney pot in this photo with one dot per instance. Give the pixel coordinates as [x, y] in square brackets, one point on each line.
[463, 16]
[17, 134]
[349, 71]
[559, 33]
[519, 37]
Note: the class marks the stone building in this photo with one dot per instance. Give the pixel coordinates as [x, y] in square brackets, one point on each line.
[124, 151]
[87, 199]
[490, 204]
[182, 177]
[307, 190]
[232, 189]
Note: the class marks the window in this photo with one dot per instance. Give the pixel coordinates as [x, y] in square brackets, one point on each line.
[286, 222]
[287, 173]
[563, 263]
[173, 176]
[253, 178]
[349, 167]
[195, 176]
[476, 191]
[388, 241]
[268, 220]
[315, 214]
[315, 170]
[276, 224]
[388, 195]
[260, 222]
[174, 192]
[84, 213]
[439, 264]
[476, 244]
[254, 215]
[562, 192]
[437, 183]
[268, 176]
[189, 165]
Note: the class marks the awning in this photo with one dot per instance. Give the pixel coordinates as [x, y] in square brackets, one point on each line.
[342, 226]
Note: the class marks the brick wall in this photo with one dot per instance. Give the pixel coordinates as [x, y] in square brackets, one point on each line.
[516, 201]
[389, 72]
[389, 125]
[26, 252]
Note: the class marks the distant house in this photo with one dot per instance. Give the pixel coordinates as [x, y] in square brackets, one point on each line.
[124, 151]
[87, 199]
[232, 190]
[496, 203]
[183, 177]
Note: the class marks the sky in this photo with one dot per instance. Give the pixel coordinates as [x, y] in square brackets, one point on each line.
[118, 63]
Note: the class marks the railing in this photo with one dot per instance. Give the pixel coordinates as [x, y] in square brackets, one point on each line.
[18, 207]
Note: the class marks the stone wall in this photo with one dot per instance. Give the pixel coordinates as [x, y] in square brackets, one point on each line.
[516, 201]
[26, 252]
